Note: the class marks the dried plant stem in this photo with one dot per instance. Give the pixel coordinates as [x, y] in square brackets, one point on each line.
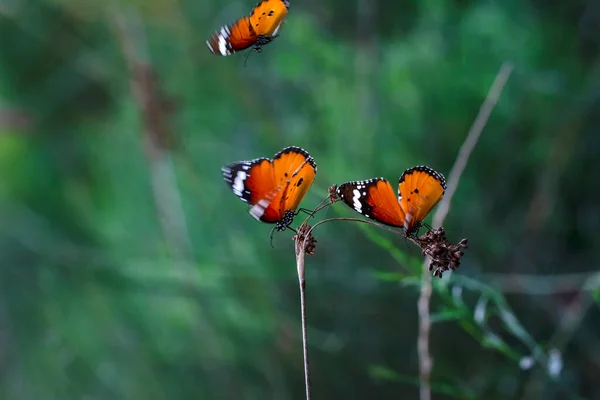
[300, 254]
[425, 360]
[301, 240]
[472, 137]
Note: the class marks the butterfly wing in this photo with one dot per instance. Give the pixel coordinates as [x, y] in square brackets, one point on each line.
[419, 190]
[267, 17]
[295, 172]
[373, 198]
[272, 187]
[254, 183]
[232, 38]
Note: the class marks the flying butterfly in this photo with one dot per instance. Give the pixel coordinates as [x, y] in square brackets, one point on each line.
[419, 190]
[256, 30]
[273, 188]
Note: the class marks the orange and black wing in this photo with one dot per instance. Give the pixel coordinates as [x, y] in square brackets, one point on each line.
[232, 38]
[254, 183]
[256, 30]
[373, 198]
[295, 172]
[419, 190]
[249, 179]
[267, 17]
[273, 188]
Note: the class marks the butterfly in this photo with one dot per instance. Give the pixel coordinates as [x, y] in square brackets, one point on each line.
[419, 190]
[257, 30]
[273, 188]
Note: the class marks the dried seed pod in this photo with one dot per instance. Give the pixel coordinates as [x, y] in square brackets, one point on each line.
[444, 255]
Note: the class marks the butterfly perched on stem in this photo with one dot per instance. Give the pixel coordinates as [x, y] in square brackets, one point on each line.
[419, 190]
[255, 31]
[273, 188]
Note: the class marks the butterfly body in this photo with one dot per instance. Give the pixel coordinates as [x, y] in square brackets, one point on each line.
[273, 188]
[255, 31]
[419, 190]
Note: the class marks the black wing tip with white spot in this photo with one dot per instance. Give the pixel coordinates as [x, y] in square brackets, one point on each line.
[424, 168]
[353, 184]
[348, 187]
[214, 42]
[356, 193]
[229, 171]
[238, 164]
[209, 46]
[239, 171]
[299, 150]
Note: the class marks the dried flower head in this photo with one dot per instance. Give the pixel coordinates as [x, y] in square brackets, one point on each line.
[332, 192]
[304, 235]
[444, 255]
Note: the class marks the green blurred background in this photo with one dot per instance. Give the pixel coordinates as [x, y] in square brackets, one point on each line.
[128, 269]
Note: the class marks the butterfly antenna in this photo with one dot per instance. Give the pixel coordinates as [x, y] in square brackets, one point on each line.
[407, 245]
[246, 56]
[306, 211]
[325, 212]
[271, 237]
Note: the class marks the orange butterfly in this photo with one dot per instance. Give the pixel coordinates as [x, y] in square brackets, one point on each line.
[419, 190]
[257, 30]
[275, 188]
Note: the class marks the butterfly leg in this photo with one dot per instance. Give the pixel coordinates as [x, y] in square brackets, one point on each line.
[261, 40]
[271, 236]
[281, 227]
[306, 211]
[246, 57]
[414, 231]
[407, 244]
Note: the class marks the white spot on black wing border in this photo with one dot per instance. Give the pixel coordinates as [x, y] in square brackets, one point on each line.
[236, 174]
[258, 210]
[422, 168]
[219, 43]
[298, 150]
[355, 195]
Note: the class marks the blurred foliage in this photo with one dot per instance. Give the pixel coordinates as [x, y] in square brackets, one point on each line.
[128, 270]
